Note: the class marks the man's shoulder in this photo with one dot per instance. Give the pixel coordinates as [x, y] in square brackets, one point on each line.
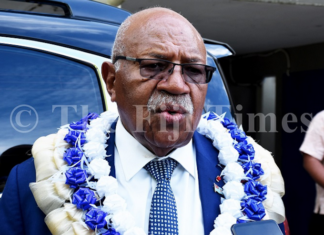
[18, 202]
[25, 171]
[27, 167]
[23, 174]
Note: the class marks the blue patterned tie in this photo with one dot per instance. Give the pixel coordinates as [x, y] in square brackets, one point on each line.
[163, 215]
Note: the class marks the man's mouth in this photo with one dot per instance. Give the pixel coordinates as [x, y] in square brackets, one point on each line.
[171, 113]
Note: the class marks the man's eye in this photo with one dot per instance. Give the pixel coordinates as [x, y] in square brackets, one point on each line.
[153, 66]
[193, 70]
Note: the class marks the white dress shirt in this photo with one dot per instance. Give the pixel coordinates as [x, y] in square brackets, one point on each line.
[137, 186]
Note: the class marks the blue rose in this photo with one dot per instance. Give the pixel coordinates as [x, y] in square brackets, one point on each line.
[245, 158]
[95, 219]
[73, 136]
[211, 116]
[79, 125]
[237, 134]
[82, 124]
[75, 176]
[253, 209]
[238, 147]
[255, 188]
[248, 148]
[245, 150]
[91, 116]
[83, 197]
[72, 156]
[254, 170]
[228, 124]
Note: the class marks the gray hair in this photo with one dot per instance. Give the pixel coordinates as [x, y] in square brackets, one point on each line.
[119, 47]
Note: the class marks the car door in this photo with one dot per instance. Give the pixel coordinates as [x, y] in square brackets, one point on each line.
[43, 86]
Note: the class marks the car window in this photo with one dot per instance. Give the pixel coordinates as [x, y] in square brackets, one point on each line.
[218, 51]
[44, 8]
[217, 99]
[39, 92]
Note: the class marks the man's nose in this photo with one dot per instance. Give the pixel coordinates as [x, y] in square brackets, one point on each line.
[175, 83]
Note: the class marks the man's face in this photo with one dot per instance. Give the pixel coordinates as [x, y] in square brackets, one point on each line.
[175, 105]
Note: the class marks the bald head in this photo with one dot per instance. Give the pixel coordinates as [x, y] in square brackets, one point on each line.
[145, 23]
[156, 39]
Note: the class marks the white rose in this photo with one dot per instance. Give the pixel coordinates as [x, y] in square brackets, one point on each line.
[222, 140]
[101, 124]
[232, 207]
[95, 150]
[109, 115]
[233, 172]
[224, 220]
[99, 167]
[227, 155]
[114, 203]
[96, 135]
[122, 221]
[233, 190]
[106, 185]
[213, 128]
[217, 127]
[202, 126]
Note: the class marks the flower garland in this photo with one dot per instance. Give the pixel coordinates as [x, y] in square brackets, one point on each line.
[95, 192]
[243, 195]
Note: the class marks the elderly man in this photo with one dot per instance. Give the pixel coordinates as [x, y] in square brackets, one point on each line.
[162, 41]
[164, 169]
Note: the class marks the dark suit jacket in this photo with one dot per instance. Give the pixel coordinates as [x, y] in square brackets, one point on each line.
[19, 213]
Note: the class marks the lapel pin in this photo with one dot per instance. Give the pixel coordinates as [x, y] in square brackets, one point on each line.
[218, 178]
[218, 189]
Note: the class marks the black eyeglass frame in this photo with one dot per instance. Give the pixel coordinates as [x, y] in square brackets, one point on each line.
[139, 60]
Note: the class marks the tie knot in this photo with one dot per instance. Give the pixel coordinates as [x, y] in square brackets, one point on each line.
[161, 169]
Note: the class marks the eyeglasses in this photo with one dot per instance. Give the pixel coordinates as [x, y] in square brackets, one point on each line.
[162, 69]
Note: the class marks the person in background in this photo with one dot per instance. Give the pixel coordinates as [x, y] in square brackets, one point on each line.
[313, 154]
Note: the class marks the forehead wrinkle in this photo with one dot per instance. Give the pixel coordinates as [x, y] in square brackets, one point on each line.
[171, 34]
[185, 58]
[163, 51]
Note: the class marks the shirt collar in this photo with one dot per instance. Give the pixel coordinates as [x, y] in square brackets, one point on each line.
[135, 156]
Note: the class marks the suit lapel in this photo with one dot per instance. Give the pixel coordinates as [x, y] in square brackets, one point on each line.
[111, 149]
[207, 161]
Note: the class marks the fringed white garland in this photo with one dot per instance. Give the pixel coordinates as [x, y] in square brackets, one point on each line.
[232, 174]
[96, 166]
[93, 161]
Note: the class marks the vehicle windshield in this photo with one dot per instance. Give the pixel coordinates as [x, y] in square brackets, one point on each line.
[217, 98]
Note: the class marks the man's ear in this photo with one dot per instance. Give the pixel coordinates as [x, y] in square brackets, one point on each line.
[108, 75]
